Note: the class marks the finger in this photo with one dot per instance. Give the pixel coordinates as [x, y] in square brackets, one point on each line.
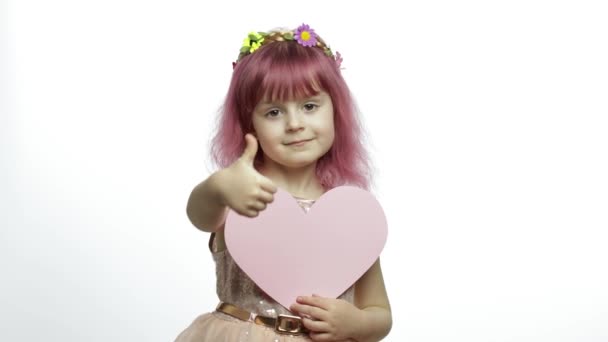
[268, 185]
[320, 337]
[310, 311]
[249, 212]
[315, 326]
[314, 300]
[251, 148]
[257, 205]
[265, 197]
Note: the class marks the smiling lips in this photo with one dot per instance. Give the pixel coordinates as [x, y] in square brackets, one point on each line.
[298, 142]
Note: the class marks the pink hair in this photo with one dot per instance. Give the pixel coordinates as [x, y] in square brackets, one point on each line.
[282, 71]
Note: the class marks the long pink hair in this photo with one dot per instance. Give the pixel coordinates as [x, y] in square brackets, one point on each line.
[282, 71]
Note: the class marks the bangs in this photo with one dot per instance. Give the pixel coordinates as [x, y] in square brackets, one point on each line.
[290, 81]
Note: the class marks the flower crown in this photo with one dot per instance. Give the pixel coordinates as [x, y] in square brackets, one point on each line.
[303, 35]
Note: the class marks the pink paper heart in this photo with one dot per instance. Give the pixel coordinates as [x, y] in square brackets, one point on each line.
[288, 252]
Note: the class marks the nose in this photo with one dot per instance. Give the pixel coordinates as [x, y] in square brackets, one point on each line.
[294, 121]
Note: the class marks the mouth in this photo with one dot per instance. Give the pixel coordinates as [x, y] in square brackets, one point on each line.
[298, 142]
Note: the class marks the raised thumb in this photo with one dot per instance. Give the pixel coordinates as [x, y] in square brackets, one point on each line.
[251, 148]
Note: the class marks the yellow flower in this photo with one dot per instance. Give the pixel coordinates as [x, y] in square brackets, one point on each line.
[253, 41]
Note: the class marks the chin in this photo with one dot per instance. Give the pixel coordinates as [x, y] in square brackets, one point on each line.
[296, 163]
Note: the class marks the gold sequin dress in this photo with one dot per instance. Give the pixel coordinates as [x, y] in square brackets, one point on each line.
[235, 287]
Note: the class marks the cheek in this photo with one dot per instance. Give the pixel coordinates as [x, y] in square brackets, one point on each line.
[329, 130]
[328, 135]
[261, 132]
[323, 122]
[331, 137]
[263, 142]
[266, 139]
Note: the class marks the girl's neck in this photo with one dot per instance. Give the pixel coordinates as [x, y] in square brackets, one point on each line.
[299, 182]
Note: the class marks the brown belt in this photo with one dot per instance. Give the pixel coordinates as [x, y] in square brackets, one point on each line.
[283, 324]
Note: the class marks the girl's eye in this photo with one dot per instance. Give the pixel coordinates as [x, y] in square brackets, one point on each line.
[273, 113]
[310, 106]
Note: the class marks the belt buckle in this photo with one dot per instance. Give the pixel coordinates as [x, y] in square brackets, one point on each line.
[287, 324]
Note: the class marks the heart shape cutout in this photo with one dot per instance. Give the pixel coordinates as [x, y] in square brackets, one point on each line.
[288, 252]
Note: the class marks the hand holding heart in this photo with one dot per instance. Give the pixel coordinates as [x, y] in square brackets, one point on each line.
[328, 319]
[244, 189]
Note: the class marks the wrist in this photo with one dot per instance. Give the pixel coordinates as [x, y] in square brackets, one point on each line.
[215, 182]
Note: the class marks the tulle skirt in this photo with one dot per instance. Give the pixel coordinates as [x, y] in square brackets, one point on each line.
[219, 327]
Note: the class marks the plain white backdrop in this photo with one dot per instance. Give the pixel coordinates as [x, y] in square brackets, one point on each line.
[488, 126]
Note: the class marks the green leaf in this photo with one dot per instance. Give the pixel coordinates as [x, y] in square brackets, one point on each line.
[244, 49]
[288, 36]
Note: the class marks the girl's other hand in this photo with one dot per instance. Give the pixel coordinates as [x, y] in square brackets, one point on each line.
[242, 187]
[328, 319]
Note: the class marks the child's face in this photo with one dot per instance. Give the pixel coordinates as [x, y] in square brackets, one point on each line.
[295, 133]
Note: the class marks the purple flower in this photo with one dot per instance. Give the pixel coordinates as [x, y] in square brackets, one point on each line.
[306, 36]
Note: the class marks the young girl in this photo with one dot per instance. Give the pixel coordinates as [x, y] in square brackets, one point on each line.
[288, 121]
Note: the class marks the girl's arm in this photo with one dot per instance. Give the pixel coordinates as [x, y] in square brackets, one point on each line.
[372, 299]
[205, 208]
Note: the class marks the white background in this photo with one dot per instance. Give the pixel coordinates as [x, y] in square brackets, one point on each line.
[488, 126]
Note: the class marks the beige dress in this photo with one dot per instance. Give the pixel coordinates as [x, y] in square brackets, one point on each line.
[235, 287]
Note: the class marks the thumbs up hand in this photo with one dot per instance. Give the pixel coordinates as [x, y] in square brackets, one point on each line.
[243, 188]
